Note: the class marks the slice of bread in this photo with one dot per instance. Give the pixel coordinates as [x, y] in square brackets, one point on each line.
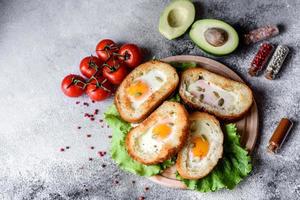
[223, 97]
[144, 89]
[203, 148]
[160, 136]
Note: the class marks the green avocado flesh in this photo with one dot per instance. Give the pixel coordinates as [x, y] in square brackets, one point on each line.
[176, 18]
[214, 36]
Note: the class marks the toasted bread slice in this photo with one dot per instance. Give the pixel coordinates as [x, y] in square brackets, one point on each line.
[203, 148]
[223, 97]
[160, 136]
[144, 89]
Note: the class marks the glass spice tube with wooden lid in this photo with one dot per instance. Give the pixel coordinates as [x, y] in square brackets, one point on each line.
[279, 135]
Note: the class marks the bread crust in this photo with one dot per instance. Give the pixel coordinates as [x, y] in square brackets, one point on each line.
[181, 167]
[123, 103]
[229, 117]
[168, 150]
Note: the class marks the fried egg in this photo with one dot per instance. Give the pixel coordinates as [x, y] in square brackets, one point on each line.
[144, 89]
[144, 86]
[159, 136]
[203, 149]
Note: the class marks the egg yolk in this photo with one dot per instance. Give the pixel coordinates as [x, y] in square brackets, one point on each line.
[162, 131]
[200, 147]
[138, 89]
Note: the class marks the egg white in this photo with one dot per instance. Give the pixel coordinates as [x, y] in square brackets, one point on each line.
[153, 83]
[207, 130]
[150, 144]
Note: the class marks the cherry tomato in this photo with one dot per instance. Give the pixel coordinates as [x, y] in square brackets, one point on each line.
[105, 49]
[90, 65]
[114, 70]
[131, 55]
[73, 85]
[99, 89]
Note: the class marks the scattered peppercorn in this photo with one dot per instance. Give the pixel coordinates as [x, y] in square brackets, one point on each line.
[102, 153]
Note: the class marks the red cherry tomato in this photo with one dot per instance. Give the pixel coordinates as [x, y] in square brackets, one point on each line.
[114, 70]
[99, 89]
[105, 49]
[73, 85]
[90, 65]
[131, 55]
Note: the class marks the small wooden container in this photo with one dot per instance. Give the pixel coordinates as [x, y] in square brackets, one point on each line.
[279, 135]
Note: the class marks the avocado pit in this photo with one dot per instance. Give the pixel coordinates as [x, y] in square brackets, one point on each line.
[216, 36]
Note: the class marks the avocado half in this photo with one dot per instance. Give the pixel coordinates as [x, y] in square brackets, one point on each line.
[214, 36]
[176, 18]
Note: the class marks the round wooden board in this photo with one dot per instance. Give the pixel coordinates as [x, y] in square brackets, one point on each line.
[247, 126]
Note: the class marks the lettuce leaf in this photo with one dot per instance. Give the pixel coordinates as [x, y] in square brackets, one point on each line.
[181, 66]
[118, 151]
[175, 97]
[231, 169]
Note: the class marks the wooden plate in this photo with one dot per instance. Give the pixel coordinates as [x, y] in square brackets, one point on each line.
[247, 127]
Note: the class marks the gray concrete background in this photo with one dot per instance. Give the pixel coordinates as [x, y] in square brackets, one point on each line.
[42, 41]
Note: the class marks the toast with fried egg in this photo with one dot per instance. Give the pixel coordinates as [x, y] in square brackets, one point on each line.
[220, 96]
[203, 149]
[159, 136]
[144, 89]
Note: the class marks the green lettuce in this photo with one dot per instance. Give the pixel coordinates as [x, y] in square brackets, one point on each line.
[118, 151]
[181, 66]
[231, 169]
[175, 97]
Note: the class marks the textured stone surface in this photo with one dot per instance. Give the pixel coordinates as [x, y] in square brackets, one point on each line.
[42, 41]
